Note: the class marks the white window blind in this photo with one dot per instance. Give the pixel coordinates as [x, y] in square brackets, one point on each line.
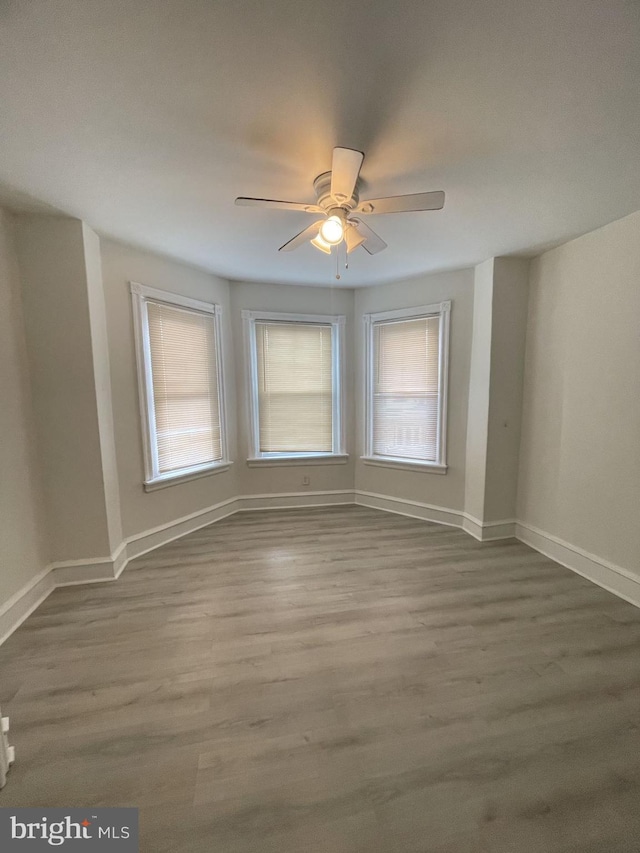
[295, 387]
[405, 406]
[185, 388]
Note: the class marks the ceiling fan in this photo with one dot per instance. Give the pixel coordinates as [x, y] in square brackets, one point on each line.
[339, 203]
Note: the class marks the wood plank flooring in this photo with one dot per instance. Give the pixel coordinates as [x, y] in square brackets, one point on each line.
[332, 681]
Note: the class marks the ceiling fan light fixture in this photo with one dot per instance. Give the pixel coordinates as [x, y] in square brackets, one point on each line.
[332, 230]
[319, 243]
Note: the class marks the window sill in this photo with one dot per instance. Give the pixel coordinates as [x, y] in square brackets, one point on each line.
[271, 461]
[174, 479]
[404, 464]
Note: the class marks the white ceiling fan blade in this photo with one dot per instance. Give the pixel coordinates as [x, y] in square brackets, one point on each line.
[308, 234]
[345, 169]
[372, 243]
[278, 205]
[353, 238]
[403, 203]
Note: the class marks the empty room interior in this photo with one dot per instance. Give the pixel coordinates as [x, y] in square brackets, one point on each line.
[320, 425]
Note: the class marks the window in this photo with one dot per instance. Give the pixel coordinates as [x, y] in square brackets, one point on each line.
[406, 386]
[295, 404]
[180, 377]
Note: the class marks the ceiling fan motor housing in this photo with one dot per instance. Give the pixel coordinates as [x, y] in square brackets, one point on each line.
[322, 187]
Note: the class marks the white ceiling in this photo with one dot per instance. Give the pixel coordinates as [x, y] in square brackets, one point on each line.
[147, 118]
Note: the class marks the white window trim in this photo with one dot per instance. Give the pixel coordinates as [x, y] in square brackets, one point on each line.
[300, 459]
[338, 454]
[443, 310]
[153, 479]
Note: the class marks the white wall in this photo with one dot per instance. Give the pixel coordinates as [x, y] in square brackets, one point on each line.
[102, 376]
[293, 300]
[441, 490]
[142, 510]
[495, 389]
[509, 325]
[23, 548]
[479, 390]
[580, 447]
[55, 293]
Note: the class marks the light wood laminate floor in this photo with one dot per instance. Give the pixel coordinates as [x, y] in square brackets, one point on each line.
[324, 681]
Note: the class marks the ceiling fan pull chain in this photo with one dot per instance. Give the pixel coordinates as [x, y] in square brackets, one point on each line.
[338, 263]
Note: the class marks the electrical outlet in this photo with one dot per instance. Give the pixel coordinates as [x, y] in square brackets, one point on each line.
[306, 481]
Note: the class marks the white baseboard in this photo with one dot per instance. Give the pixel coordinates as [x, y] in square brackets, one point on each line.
[296, 500]
[92, 570]
[120, 560]
[484, 531]
[488, 531]
[412, 509]
[14, 611]
[149, 540]
[615, 579]
[103, 569]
